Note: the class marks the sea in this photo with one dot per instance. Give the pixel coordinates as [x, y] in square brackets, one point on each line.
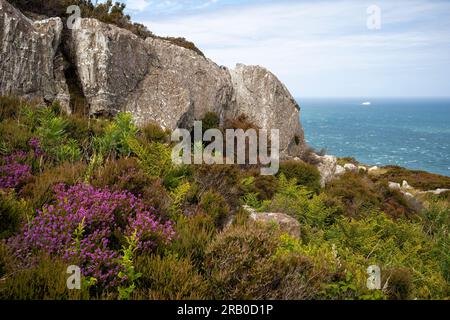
[412, 133]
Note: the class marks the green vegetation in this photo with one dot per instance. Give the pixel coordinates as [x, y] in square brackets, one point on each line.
[194, 240]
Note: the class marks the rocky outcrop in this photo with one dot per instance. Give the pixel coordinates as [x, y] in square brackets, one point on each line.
[180, 87]
[110, 63]
[268, 104]
[27, 56]
[286, 223]
[153, 79]
[328, 168]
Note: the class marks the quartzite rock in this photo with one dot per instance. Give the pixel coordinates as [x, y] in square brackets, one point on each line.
[27, 56]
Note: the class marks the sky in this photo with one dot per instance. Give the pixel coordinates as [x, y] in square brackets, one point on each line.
[318, 48]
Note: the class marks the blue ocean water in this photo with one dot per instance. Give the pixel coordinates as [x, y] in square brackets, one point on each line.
[412, 133]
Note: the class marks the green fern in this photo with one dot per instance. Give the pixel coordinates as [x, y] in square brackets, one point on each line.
[155, 159]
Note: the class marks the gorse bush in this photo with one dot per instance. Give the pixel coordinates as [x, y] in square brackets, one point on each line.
[86, 225]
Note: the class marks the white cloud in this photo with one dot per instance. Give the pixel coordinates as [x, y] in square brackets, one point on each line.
[322, 47]
[137, 5]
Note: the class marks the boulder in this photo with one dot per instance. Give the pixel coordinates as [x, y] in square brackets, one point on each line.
[394, 186]
[287, 223]
[406, 186]
[27, 56]
[373, 169]
[350, 167]
[327, 166]
[340, 170]
[264, 99]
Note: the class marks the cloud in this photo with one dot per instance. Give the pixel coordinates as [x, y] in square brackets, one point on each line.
[137, 5]
[322, 47]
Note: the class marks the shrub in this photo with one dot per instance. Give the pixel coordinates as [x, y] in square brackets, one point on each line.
[155, 158]
[155, 196]
[193, 234]
[214, 205]
[14, 136]
[83, 129]
[223, 178]
[152, 132]
[87, 225]
[169, 278]
[313, 210]
[12, 213]
[121, 174]
[10, 107]
[262, 187]
[305, 174]
[211, 120]
[399, 283]
[44, 281]
[418, 179]
[39, 190]
[358, 194]
[14, 172]
[245, 262]
[182, 42]
[115, 140]
[378, 240]
[6, 261]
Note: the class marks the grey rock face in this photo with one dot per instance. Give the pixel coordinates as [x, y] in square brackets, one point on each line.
[153, 79]
[110, 63]
[27, 55]
[268, 104]
[181, 87]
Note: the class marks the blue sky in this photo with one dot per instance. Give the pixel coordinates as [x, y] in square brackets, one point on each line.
[318, 48]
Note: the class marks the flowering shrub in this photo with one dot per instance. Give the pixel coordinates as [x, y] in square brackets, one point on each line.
[36, 147]
[13, 171]
[87, 226]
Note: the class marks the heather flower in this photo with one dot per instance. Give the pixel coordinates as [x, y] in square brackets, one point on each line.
[13, 171]
[104, 217]
[35, 145]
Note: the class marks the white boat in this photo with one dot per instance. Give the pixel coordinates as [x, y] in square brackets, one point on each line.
[366, 103]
